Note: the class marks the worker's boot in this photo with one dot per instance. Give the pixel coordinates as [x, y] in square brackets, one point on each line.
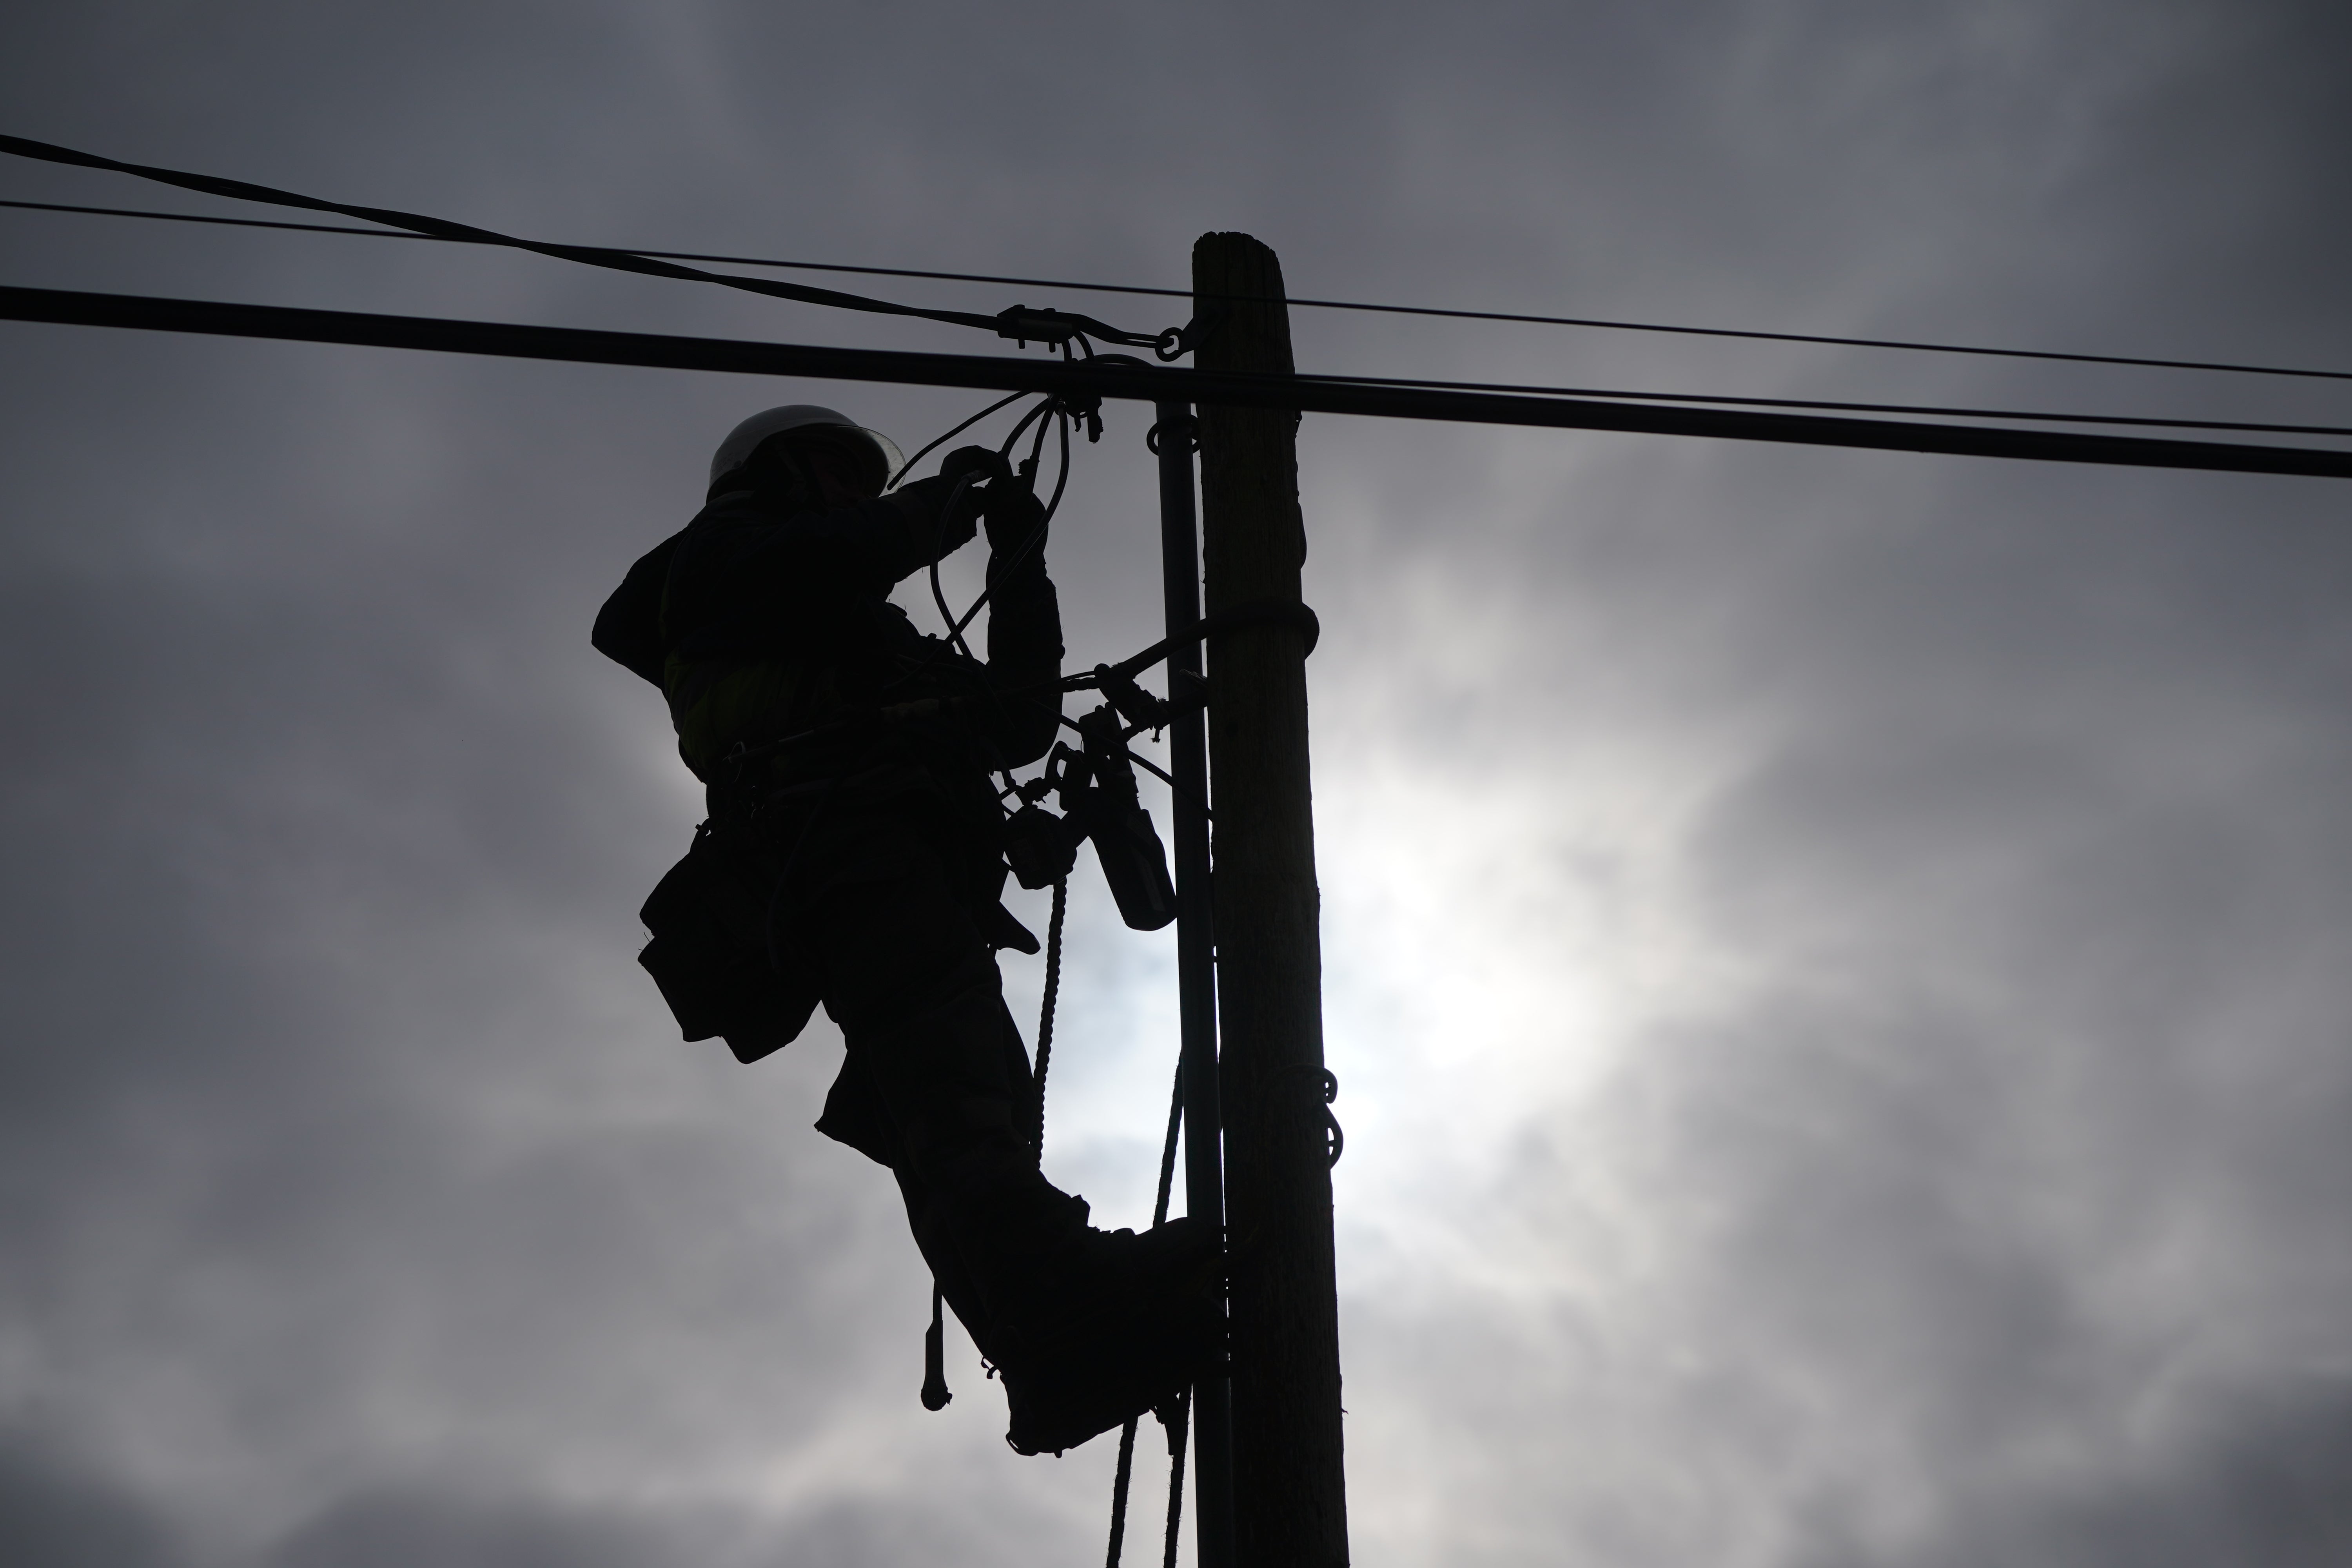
[1087, 1327]
[997, 1242]
[1131, 1321]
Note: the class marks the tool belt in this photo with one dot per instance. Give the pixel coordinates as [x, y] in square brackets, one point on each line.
[725, 948]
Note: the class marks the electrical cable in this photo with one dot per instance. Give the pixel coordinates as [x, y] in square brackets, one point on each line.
[1596, 323]
[908, 467]
[1018, 322]
[1903, 344]
[1930, 411]
[947, 617]
[1918, 410]
[939, 595]
[1037, 535]
[1004, 449]
[1096, 379]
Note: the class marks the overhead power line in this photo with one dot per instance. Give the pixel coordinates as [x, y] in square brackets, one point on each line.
[1597, 323]
[1920, 410]
[1931, 411]
[1017, 323]
[1135, 381]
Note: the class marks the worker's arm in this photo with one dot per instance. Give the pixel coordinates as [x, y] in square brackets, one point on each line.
[745, 580]
[1024, 629]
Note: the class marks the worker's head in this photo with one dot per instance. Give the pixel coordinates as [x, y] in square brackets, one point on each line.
[819, 452]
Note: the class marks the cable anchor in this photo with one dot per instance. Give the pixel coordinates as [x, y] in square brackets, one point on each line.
[1177, 341]
[1055, 329]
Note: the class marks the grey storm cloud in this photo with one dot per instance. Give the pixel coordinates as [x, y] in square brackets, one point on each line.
[1834, 960]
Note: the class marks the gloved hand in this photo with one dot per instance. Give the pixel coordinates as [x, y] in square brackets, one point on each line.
[1015, 518]
[934, 528]
[983, 463]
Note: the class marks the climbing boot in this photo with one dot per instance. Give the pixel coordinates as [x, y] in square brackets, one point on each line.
[1134, 1319]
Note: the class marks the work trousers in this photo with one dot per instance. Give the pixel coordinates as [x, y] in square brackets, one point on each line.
[936, 1083]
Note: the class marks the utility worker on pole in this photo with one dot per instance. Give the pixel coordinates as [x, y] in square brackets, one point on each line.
[851, 856]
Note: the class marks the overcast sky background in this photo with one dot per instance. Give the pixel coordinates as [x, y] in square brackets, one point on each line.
[1837, 961]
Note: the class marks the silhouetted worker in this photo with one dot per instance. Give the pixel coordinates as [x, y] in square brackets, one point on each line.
[851, 856]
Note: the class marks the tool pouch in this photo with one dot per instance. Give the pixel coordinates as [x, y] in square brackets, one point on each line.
[713, 959]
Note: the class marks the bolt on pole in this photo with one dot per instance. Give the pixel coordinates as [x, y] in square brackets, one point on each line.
[1196, 979]
[1290, 1507]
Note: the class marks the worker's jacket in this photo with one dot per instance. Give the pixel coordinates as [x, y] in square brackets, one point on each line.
[802, 696]
[760, 624]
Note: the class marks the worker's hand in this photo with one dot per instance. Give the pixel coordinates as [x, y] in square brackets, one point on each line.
[935, 528]
[1016, 517]
[983, 463]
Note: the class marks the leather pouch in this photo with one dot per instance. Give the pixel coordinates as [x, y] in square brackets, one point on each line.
[712, 955]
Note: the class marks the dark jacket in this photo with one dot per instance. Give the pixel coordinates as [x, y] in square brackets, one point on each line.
[762, 620]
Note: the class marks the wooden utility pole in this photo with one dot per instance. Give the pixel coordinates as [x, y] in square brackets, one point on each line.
[1290, 1504]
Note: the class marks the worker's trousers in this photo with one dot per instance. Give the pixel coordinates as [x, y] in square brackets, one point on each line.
[936, 1083]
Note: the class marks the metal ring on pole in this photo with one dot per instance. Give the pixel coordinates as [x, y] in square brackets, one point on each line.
[1338, 1140]
[1187, 428]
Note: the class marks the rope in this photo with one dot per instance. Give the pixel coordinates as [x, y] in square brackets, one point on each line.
[1175, 1423]
[1119, 1494]
[1045, 1013]
[1176, 1428]
[935, 1377]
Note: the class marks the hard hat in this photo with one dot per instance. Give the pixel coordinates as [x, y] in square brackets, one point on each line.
[736, 450]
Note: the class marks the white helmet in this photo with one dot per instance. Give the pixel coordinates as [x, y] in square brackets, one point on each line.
[736, 450]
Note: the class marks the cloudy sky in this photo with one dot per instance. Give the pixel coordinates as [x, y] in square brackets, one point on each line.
[1836, 961]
